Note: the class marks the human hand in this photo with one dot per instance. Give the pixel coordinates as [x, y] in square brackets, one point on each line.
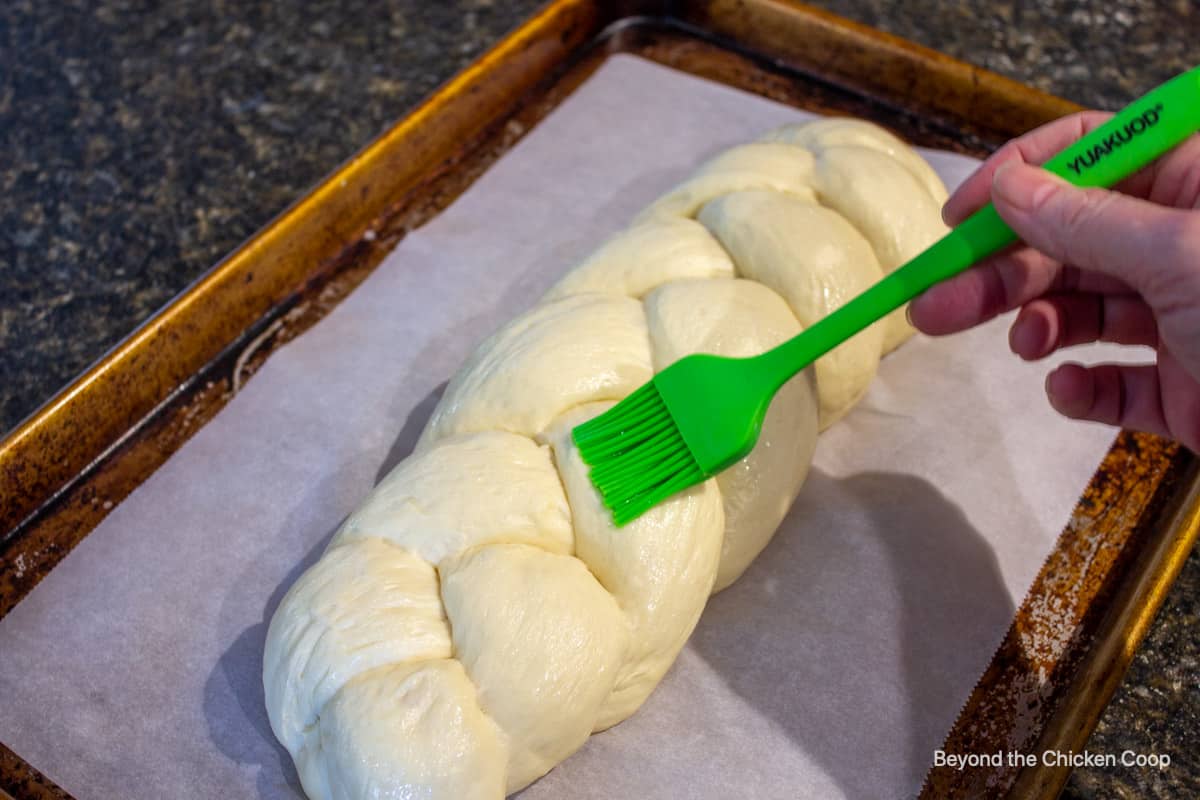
[1097, 265]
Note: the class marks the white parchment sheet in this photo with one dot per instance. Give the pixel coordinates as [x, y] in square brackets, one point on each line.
[833, 668]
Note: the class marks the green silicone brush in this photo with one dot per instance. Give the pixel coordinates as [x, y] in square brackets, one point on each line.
[704, 412]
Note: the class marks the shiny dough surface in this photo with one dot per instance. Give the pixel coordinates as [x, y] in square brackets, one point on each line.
[480, 616]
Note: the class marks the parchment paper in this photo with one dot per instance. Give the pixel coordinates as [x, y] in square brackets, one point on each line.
[833, 668]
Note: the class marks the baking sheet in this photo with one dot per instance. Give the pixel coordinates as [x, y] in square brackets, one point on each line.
[833, 668]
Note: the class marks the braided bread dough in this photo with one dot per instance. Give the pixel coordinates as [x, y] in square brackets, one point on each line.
[479, 616]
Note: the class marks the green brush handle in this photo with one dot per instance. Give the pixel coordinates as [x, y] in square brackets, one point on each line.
[1141, 132]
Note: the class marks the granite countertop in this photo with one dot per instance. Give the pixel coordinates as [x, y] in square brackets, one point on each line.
[143, 142]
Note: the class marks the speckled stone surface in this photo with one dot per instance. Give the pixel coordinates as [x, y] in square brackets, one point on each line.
[140, 142]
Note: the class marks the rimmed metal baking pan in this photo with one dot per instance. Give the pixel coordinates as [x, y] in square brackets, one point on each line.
[68, 465]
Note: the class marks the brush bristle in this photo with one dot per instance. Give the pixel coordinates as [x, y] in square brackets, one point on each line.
[636, 455]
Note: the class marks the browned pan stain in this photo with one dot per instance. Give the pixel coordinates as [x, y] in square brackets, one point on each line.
[62, 472]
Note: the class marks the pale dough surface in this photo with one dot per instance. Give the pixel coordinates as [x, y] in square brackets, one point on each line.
[577, 349]
[516, 496]
[742, 318]
[480, 615]
[542, 641]
[645, 256]
[816, 261]
[781, 168]
[660, 567]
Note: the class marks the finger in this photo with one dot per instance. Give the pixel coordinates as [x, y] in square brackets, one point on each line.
[1143, 244]
[1114, 394]
[997, 285]
[1035, 147]
[1049, 323]
[1181, 399]
[1173, 180]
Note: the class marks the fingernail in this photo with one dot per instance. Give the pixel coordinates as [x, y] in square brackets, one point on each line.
[1028, 335]
[1021, 186]
[919, 307]
[1070, 390]
[1058, 392]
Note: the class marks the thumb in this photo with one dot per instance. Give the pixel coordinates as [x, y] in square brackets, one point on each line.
[1096, 229]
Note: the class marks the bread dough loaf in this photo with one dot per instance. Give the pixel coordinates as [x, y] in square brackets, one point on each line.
[479, 616]
[742, 318]
[816, 261]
